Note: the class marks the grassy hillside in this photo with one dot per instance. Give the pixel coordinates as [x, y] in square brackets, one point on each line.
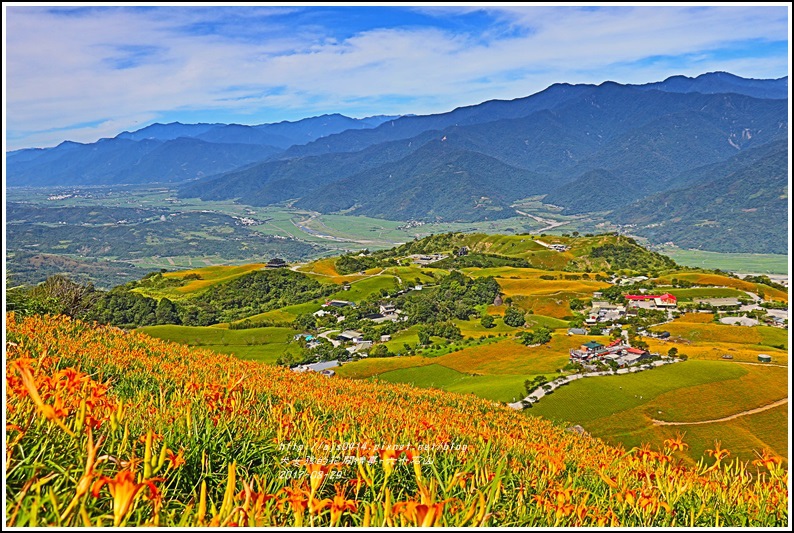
[622, 408]
[718, 280]
[114, 428]
[258, 344]
[195, 280]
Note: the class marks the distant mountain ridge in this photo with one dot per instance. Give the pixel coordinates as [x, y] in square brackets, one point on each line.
[587, 148]
[168, 153]
[608, 138]
[722, 82]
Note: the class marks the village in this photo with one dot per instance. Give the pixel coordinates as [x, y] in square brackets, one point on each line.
[636, 312]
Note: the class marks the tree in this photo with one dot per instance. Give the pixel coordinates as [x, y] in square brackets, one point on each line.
[424, 338]
[542, 335]
[70, 298]
[379, 350]
[487, 321]
[637, 343]
[166, 312]
[514, 317]
[305, 322]
[576, 304]
[672, 352]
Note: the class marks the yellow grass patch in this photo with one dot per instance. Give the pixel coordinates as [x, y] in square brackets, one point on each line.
[697, 318]
[510, 357]
[212, 275]
[555, 306]
[760, 386]
[370, 367]
[513, 287]
[701, 278]
[712, 332]
[715, 351]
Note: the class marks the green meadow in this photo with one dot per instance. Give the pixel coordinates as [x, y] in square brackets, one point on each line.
[741, 263]
[498, 388]
[259, 344]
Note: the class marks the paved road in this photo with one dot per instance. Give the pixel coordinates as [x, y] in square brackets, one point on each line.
[540, 393]
[325, 334]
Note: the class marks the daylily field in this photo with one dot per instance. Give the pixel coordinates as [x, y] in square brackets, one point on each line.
[109, 428]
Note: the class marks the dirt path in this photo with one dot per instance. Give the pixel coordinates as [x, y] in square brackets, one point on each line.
[737, 415]
[759, 364]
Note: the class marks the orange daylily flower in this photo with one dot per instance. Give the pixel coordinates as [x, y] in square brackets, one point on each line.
[419, 513]
[177, 459]
[124, 489]
[768, 460]
[677, 443]
[718, 453]
[298, 500]
[339, 504]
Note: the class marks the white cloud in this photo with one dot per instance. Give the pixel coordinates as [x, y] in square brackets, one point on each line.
[63, 70]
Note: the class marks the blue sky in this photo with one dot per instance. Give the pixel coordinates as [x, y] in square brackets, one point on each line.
[82, 73]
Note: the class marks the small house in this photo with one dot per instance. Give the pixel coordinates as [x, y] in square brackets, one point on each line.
[577, 331]
[385, 338]
[764, 358]
[338, 303]
[592, 346]
[276, 262]
[349, 336]
[498, 300]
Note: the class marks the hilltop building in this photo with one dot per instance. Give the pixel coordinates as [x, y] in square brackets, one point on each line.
[276, 262]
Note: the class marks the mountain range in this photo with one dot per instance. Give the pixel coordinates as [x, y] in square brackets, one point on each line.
[609, 148]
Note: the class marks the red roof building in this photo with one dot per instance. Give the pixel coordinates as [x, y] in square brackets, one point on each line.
[666, 297]
[636, 351]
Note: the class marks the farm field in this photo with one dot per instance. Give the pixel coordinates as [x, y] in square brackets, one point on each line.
[740, 263]
[283, 314]
[704, 278]
[259, 344]
[366, 368]
[515, 287]
[621, 408]
[495, 369]
[688, 295]
[703, 333]
[498, 388]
